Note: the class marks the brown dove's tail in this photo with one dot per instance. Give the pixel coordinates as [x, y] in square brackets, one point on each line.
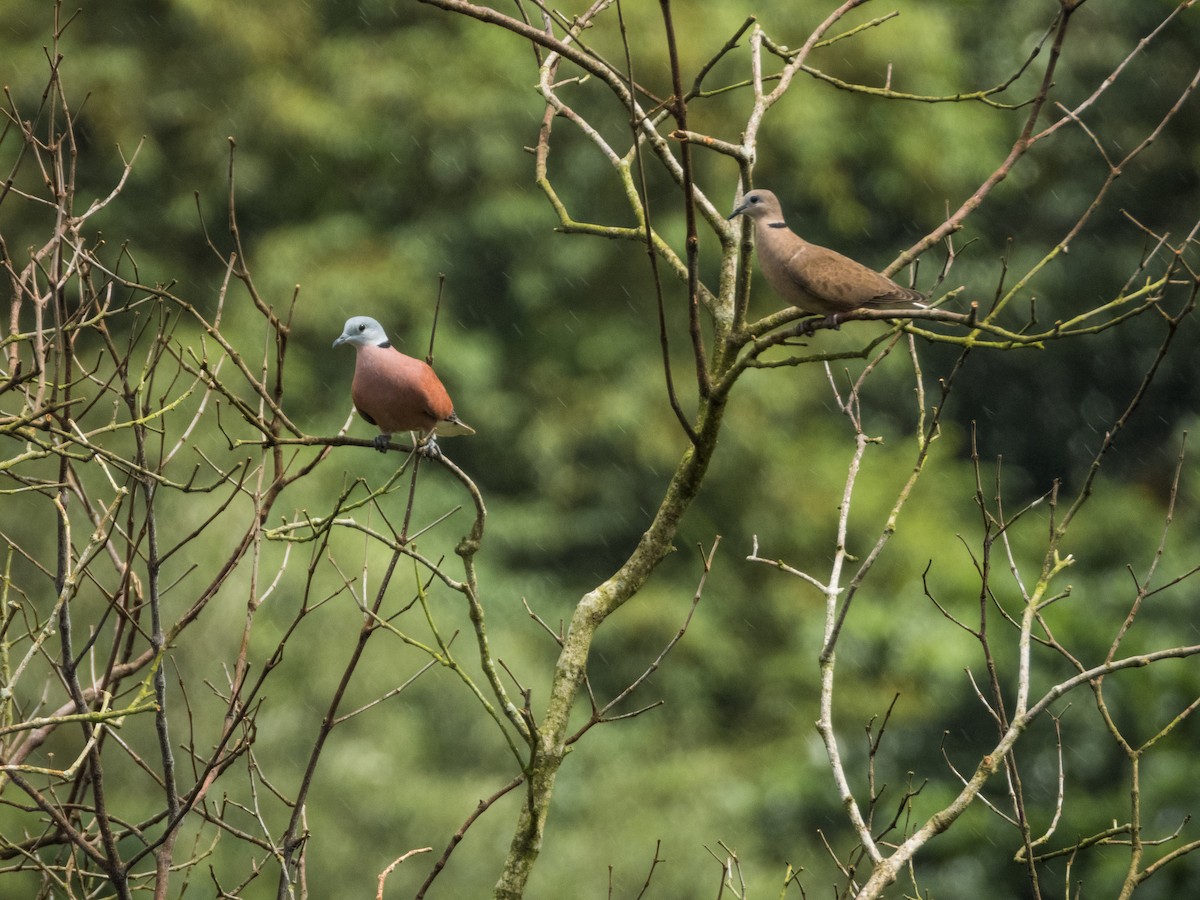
[452, 426]
[901, 297]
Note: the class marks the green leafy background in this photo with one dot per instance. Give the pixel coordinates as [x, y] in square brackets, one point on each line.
[381, 143]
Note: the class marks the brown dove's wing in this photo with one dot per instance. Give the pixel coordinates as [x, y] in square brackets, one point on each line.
[840, 284]
[784, 259]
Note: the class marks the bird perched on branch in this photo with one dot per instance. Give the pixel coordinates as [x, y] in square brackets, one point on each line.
[815, 279]
[396, 392]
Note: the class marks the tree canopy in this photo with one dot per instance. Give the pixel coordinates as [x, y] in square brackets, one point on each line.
[243, 648]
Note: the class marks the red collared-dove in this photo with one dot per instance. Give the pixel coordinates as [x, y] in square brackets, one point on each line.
[815, 279]
[396, 392]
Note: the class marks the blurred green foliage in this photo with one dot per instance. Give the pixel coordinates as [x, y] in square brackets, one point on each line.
[381, 143]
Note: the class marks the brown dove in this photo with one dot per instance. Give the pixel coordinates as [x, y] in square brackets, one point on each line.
[396, 392]
[815, 279]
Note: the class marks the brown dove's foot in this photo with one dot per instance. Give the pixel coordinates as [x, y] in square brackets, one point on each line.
[381, 442]
[429, 448]
[834, 321]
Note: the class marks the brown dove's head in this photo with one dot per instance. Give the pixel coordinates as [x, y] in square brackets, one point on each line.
[759, 205]
[362, 331]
